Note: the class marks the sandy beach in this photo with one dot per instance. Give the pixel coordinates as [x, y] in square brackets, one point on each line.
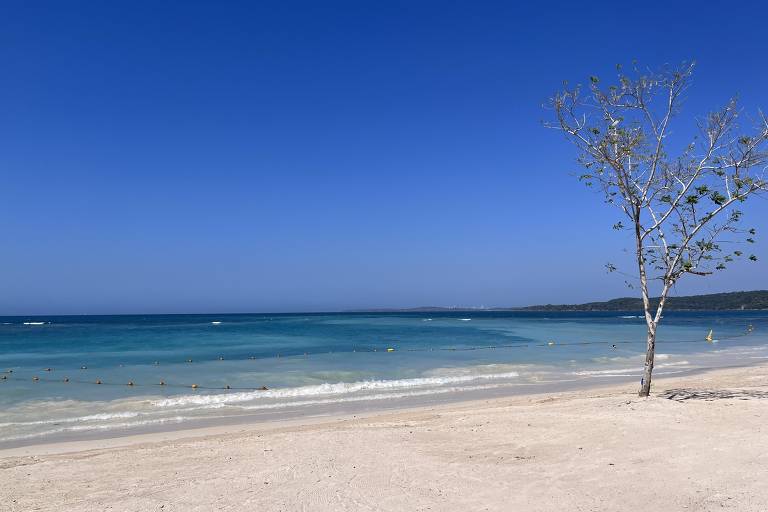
[602, 449]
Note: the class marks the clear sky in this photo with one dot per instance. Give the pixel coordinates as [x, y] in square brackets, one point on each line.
[281, 156]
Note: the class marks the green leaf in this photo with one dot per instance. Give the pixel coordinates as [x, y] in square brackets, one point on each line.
[718, 198]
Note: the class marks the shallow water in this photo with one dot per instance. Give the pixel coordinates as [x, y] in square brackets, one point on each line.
[318, 362]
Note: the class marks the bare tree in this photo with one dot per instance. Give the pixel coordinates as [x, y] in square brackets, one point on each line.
[682, 210]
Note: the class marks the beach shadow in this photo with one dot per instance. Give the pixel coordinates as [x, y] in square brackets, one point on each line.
[682, 394]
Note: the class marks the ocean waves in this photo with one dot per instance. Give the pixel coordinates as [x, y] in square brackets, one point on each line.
[339, 388]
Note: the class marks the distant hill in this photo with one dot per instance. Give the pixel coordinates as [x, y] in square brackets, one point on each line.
[757, 299]
[730, 301]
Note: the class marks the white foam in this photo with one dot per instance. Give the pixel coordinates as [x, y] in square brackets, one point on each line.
[383, 396]
[465, 319]
[612, 372]
[77, 419]
[34, 323]
[676, 363]
[339, 388]
[103, 426]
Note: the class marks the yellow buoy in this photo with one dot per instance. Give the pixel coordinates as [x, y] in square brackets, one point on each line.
[194, 386]
[390, 349]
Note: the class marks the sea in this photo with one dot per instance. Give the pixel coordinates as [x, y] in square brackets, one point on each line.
[82, 377]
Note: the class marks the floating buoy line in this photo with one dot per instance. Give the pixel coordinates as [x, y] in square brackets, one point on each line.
[9, 373]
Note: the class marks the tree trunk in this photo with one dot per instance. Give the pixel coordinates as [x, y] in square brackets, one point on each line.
[645, 383]
[650, 321]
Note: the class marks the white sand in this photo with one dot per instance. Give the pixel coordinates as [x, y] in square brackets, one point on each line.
[590, 450]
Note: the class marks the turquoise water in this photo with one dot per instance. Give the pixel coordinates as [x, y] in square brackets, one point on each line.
[310, 362]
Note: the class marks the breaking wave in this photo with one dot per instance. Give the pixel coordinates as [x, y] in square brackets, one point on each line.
[339, 388]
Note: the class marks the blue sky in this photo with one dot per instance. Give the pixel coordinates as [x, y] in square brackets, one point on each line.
[282, 156]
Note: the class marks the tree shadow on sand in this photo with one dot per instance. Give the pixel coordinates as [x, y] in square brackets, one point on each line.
[682, 395]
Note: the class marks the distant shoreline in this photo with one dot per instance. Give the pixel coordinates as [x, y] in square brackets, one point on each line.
[530, 309]
[756, 300]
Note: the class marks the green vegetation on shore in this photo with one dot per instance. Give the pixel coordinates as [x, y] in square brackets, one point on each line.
[730, 301]
[757, 299]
